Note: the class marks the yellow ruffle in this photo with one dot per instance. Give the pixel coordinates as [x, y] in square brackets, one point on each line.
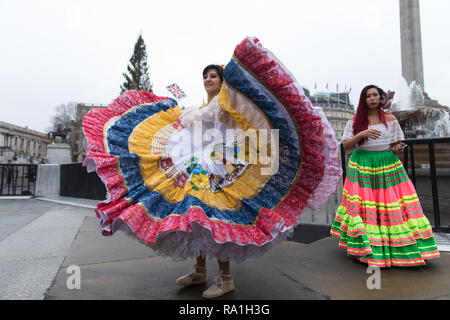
[141, 142]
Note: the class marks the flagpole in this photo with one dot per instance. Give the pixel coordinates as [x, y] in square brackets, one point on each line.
[328, 94]
[347, 98]
[337, 94]
[349, 95]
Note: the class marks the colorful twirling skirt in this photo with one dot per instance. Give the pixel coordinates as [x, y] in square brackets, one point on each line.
[186, 198]
[380, 220]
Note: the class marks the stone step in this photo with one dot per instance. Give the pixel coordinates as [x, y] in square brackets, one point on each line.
[32, 255]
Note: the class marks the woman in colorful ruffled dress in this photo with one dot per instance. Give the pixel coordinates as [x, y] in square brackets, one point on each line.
[212, 81]
[380, 220]
[228, 180]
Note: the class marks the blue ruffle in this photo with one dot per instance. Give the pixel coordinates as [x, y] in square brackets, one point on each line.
[278, 185]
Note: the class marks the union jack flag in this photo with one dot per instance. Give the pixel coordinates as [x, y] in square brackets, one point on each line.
[176, 91]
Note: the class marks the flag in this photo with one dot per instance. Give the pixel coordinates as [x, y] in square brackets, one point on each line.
[176, 91]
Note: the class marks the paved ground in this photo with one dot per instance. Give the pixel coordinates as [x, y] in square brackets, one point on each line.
[41, 241]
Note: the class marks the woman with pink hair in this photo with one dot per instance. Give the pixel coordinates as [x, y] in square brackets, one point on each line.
[380, 220]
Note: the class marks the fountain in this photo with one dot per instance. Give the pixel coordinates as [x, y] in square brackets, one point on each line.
[421, 117]
[418, 115]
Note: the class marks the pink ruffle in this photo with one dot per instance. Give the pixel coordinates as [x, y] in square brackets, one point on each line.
[320, 170]
[97, 157]
[148, 229]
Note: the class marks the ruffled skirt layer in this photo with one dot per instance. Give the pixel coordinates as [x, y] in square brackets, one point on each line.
[380, 220]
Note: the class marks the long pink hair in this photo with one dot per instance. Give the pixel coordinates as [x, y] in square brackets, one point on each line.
[361, 120]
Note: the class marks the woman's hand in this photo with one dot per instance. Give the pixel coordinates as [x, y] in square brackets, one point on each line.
[398, 147]
[369, 134]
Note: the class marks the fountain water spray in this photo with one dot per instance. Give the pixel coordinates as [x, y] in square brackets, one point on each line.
[417, 116]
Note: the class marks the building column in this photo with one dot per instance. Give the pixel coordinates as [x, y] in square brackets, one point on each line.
[411, 42]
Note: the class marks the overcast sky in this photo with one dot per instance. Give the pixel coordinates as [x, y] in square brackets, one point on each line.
[55, 52]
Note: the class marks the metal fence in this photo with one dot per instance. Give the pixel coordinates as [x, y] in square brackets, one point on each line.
[427, 162]
[17, 179]
[76, 182]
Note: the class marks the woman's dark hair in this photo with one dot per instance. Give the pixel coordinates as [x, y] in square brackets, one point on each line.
[361, 120]
[216, 67]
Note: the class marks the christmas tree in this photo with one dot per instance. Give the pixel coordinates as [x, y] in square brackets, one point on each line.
[137, 77]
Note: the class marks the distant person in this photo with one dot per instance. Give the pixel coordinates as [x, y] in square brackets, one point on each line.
[380, 220]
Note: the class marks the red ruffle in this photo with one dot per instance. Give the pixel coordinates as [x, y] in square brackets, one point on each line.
[147, 229]
[264, 65]
[93, 127]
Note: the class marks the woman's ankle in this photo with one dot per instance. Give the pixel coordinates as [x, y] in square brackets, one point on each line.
[226, 277]
[200, 269]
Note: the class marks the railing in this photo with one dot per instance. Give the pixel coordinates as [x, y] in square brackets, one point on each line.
[17, 179]
[430, 167]
[76, 182]
[427, 162]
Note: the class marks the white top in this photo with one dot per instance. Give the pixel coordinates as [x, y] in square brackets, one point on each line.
[393, 133]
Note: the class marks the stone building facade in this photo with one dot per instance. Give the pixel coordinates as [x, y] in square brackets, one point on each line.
[337, 108]
[22, 145]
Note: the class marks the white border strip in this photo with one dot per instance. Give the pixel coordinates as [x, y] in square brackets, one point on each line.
[66, 202]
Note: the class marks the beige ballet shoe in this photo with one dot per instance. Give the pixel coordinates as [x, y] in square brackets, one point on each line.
[197, 276]
[220, 287]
